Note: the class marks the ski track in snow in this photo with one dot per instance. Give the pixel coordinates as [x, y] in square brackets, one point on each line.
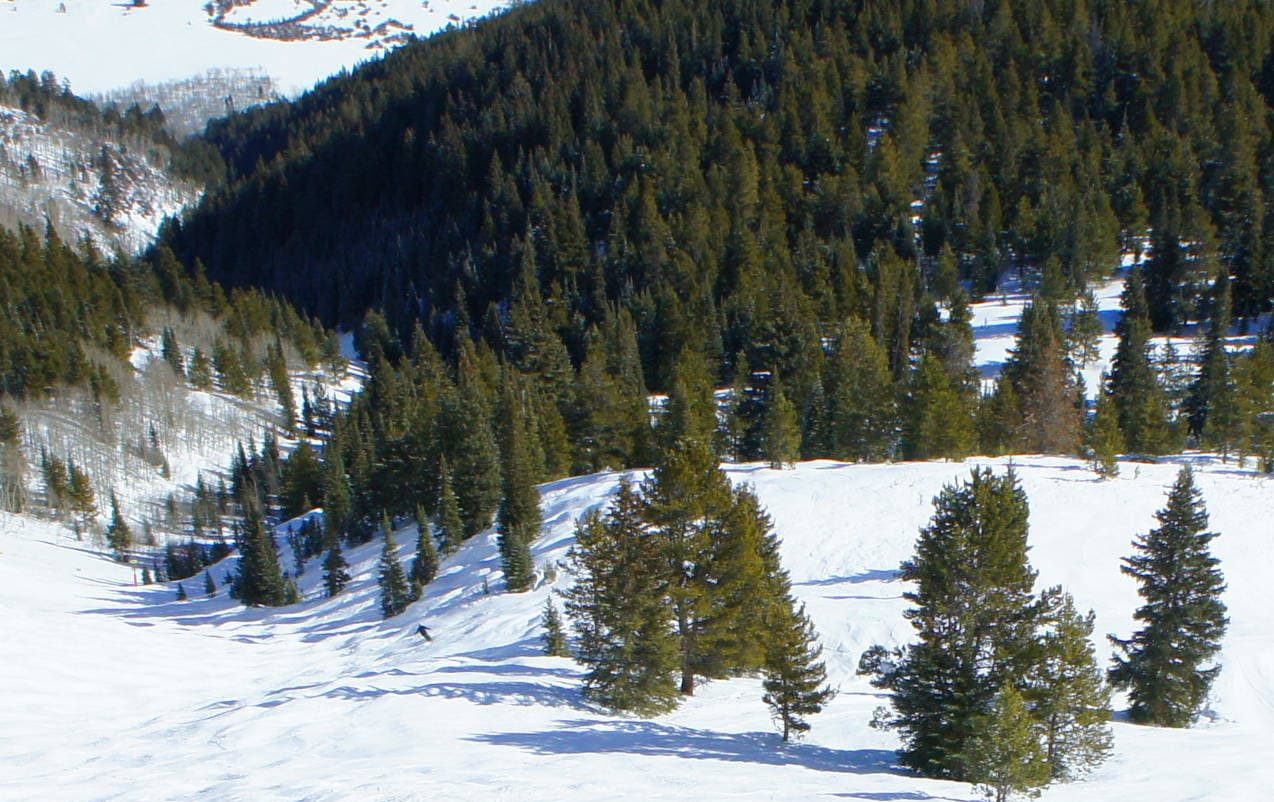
[120, 692]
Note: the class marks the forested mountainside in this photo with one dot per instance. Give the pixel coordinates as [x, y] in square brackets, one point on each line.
[738, 172]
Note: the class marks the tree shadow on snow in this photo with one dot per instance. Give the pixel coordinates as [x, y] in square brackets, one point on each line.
[653, 738]
[519, 694]
[874, 575]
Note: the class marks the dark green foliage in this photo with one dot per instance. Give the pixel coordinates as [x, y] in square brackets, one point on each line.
[302, 480]
[336, 494]
[518, 519]
[780, 430]
[470, 448]
[973, 591]
[171, 352]
[200, 372]
[181, 592]
[554, 636]
[861, 408]
[1164, 664]
[335, 570]
[450, 526]
[260, 581]
[395, 592]
[425, 566]
[940, 418]
[209, 586]
[1213, 403]
[277, 368]
[795, 678]
[118, 534]
[1139, 399]
[1084, 330]
[618, 607]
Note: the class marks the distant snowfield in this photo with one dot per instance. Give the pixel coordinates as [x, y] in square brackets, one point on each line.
[100, 45]
[120, 692]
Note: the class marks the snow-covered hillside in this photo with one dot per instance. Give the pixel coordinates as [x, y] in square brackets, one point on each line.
[87, 186]
[99, 46]
[120, 692]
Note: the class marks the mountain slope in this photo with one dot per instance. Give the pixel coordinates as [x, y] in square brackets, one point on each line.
[112, 688]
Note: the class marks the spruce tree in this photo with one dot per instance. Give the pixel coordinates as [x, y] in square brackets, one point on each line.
[1084, 330]
[118, 534]
[209, 586]
[1004, 754]
[795, 678]
[425, 566]
[450, 527]
[1164, 665]
[1044, 382]
[940, 421]
[971, 612]
[1105, 441]
[470, 447]
[337, 499]
[519, 519]
[335, 569]
[1143, 413]
[1212, 404]
[862, 411]
[619, 609]
[554, 636]
[395, 593]
[260, 581]
[780, 430]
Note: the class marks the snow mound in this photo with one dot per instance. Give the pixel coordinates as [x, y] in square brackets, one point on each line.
[113, 688]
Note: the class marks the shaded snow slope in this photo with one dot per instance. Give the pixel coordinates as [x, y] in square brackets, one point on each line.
[114, 691]
[99, 45]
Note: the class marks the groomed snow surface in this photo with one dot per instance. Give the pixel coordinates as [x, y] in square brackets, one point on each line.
[114, 691]
[100, 45]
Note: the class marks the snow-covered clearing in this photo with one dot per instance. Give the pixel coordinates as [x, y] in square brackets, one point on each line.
[120, 692]
[99, 45]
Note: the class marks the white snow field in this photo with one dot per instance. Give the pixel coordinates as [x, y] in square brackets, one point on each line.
[114, 691]
[100, 45]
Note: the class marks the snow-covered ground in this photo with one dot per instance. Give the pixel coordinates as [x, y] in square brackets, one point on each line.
[99, 45]
[114, 691]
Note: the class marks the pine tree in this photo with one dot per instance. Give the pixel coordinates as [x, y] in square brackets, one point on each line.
[1105, 441]
[395, 593]
[1042, 378]
[795, 678]
[1212, 403]
[1066, 690]
[554, 635]
[1163, 664]
[940, 422]
[1004, 755]
[200, 371]
[118, 534]
[425, 566]
[971, 611]
[619, 609]
[450, 527]
[780, 431]
[1084, 330]
[260, 581]
[335, 569]
[470, 448]
[209, 586]
[171, 352]
[862, 411]
[1143, 413]
[519, 519]
[337, 499]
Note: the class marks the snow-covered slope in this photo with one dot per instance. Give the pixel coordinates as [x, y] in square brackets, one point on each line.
[120, 692]
[89, 186]
[100, 45]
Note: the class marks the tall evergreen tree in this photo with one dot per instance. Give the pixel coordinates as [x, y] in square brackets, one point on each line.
[395, 592]
[450, 526]
[940, 421]
[1044, 382]
[795, 678]
[1105, 441]
[1212, 404]
[1143, 414]
[1164, 664]
[780, 431]
[862, 412]
[519, 519]
[260, 580]
[118, 534]
[971, 613]
[619, 609]
[470, 448]
[425, 566]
